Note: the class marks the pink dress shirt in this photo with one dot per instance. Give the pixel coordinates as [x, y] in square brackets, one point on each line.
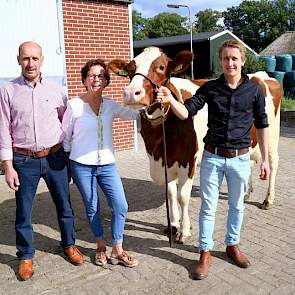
[30, 117]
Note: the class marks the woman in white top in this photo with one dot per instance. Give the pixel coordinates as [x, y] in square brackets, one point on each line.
[87, 124]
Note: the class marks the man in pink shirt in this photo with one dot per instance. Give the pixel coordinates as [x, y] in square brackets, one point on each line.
[31, 110]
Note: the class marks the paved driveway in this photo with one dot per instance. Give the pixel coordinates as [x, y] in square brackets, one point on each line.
[268, 237]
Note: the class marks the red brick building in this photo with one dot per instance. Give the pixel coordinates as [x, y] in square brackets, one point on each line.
[98, 29]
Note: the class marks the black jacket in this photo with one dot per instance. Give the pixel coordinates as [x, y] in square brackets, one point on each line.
[231, 112]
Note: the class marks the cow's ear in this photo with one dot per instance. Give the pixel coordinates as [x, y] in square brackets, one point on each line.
[131, 67]
[119, 67]
[181, 62]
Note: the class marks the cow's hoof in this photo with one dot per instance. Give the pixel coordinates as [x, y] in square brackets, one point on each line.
[266, 205]
[173, 230]
[181, 239]
[247, 197]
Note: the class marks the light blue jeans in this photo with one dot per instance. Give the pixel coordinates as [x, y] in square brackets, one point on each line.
[86, 177]
[213, 169]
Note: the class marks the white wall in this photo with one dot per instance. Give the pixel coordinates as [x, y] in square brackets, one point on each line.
[35, 20]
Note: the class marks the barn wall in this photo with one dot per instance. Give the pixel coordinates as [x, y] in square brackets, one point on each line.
[202, 60]
[98, 29]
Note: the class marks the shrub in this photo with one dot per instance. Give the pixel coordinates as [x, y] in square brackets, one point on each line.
[287, 104]
[253, 64]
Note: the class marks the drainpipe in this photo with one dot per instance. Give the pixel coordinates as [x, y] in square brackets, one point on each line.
[135, 133]
[61, 49]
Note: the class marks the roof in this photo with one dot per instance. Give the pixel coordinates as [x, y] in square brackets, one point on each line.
[203, 36]
[173, 40]
[285, 44]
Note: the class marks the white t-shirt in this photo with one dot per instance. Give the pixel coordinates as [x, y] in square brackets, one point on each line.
[89, 137]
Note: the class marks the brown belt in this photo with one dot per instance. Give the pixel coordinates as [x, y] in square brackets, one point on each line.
[227, 153]
[38, 154]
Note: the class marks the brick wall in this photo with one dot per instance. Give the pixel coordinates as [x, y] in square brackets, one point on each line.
[98, 29]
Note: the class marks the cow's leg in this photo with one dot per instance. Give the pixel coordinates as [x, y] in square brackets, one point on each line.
[248, 195]
[174, 212]
[184, 192]
[157, 174]
[270, 197]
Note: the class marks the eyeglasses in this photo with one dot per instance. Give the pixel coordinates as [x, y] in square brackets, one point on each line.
[93, 76]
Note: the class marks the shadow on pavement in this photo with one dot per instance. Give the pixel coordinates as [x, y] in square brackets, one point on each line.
[288, 132]
[141, 195]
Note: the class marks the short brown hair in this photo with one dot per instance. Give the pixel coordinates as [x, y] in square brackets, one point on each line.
[94, 62]
[234, 44]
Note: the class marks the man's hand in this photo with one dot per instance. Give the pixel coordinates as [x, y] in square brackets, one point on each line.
[264, 171]
[67, 159]
[11, 178]
[163, 95]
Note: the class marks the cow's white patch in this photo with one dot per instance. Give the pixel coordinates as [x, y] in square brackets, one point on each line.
[135, 92]
[157, 171]
[183, 84]
[143, 63]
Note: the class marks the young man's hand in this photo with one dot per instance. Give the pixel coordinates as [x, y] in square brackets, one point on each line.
[163, 95]
[264, 171]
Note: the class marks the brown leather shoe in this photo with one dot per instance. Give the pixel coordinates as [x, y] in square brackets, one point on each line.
[240, 259]
[202, 267]
[25, 269]
[74, 255]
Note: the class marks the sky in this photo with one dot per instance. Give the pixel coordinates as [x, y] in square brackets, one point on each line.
[150, 8]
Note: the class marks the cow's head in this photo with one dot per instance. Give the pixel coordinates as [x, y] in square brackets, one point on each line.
[147, 71]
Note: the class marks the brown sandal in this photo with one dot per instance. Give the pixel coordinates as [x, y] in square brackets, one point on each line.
[101, 258]
[124, 259]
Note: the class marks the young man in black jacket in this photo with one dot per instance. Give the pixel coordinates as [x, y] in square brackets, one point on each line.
[234, 103]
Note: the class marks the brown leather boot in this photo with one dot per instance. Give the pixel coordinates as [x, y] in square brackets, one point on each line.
[25, 269]
[202, 267]
[240, 259]
[74, 255]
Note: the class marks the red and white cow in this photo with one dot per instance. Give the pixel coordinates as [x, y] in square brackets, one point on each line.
[184, 139]
[273, 96]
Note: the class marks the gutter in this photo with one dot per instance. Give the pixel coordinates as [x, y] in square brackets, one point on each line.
[61, 49]
[135, 132]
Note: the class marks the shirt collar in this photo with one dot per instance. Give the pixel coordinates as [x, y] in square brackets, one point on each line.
[223, 81]
[29, 83]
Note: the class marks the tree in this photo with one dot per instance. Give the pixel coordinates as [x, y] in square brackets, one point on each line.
[292, 16]
[206, 20]
[138, 25]
[258, 23]
[253, 64]
[249, 21]
[164, 25]
[281, 18]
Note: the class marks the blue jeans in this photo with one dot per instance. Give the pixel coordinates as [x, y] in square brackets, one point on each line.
[213, 169]
[30, 170]
[86, 177]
